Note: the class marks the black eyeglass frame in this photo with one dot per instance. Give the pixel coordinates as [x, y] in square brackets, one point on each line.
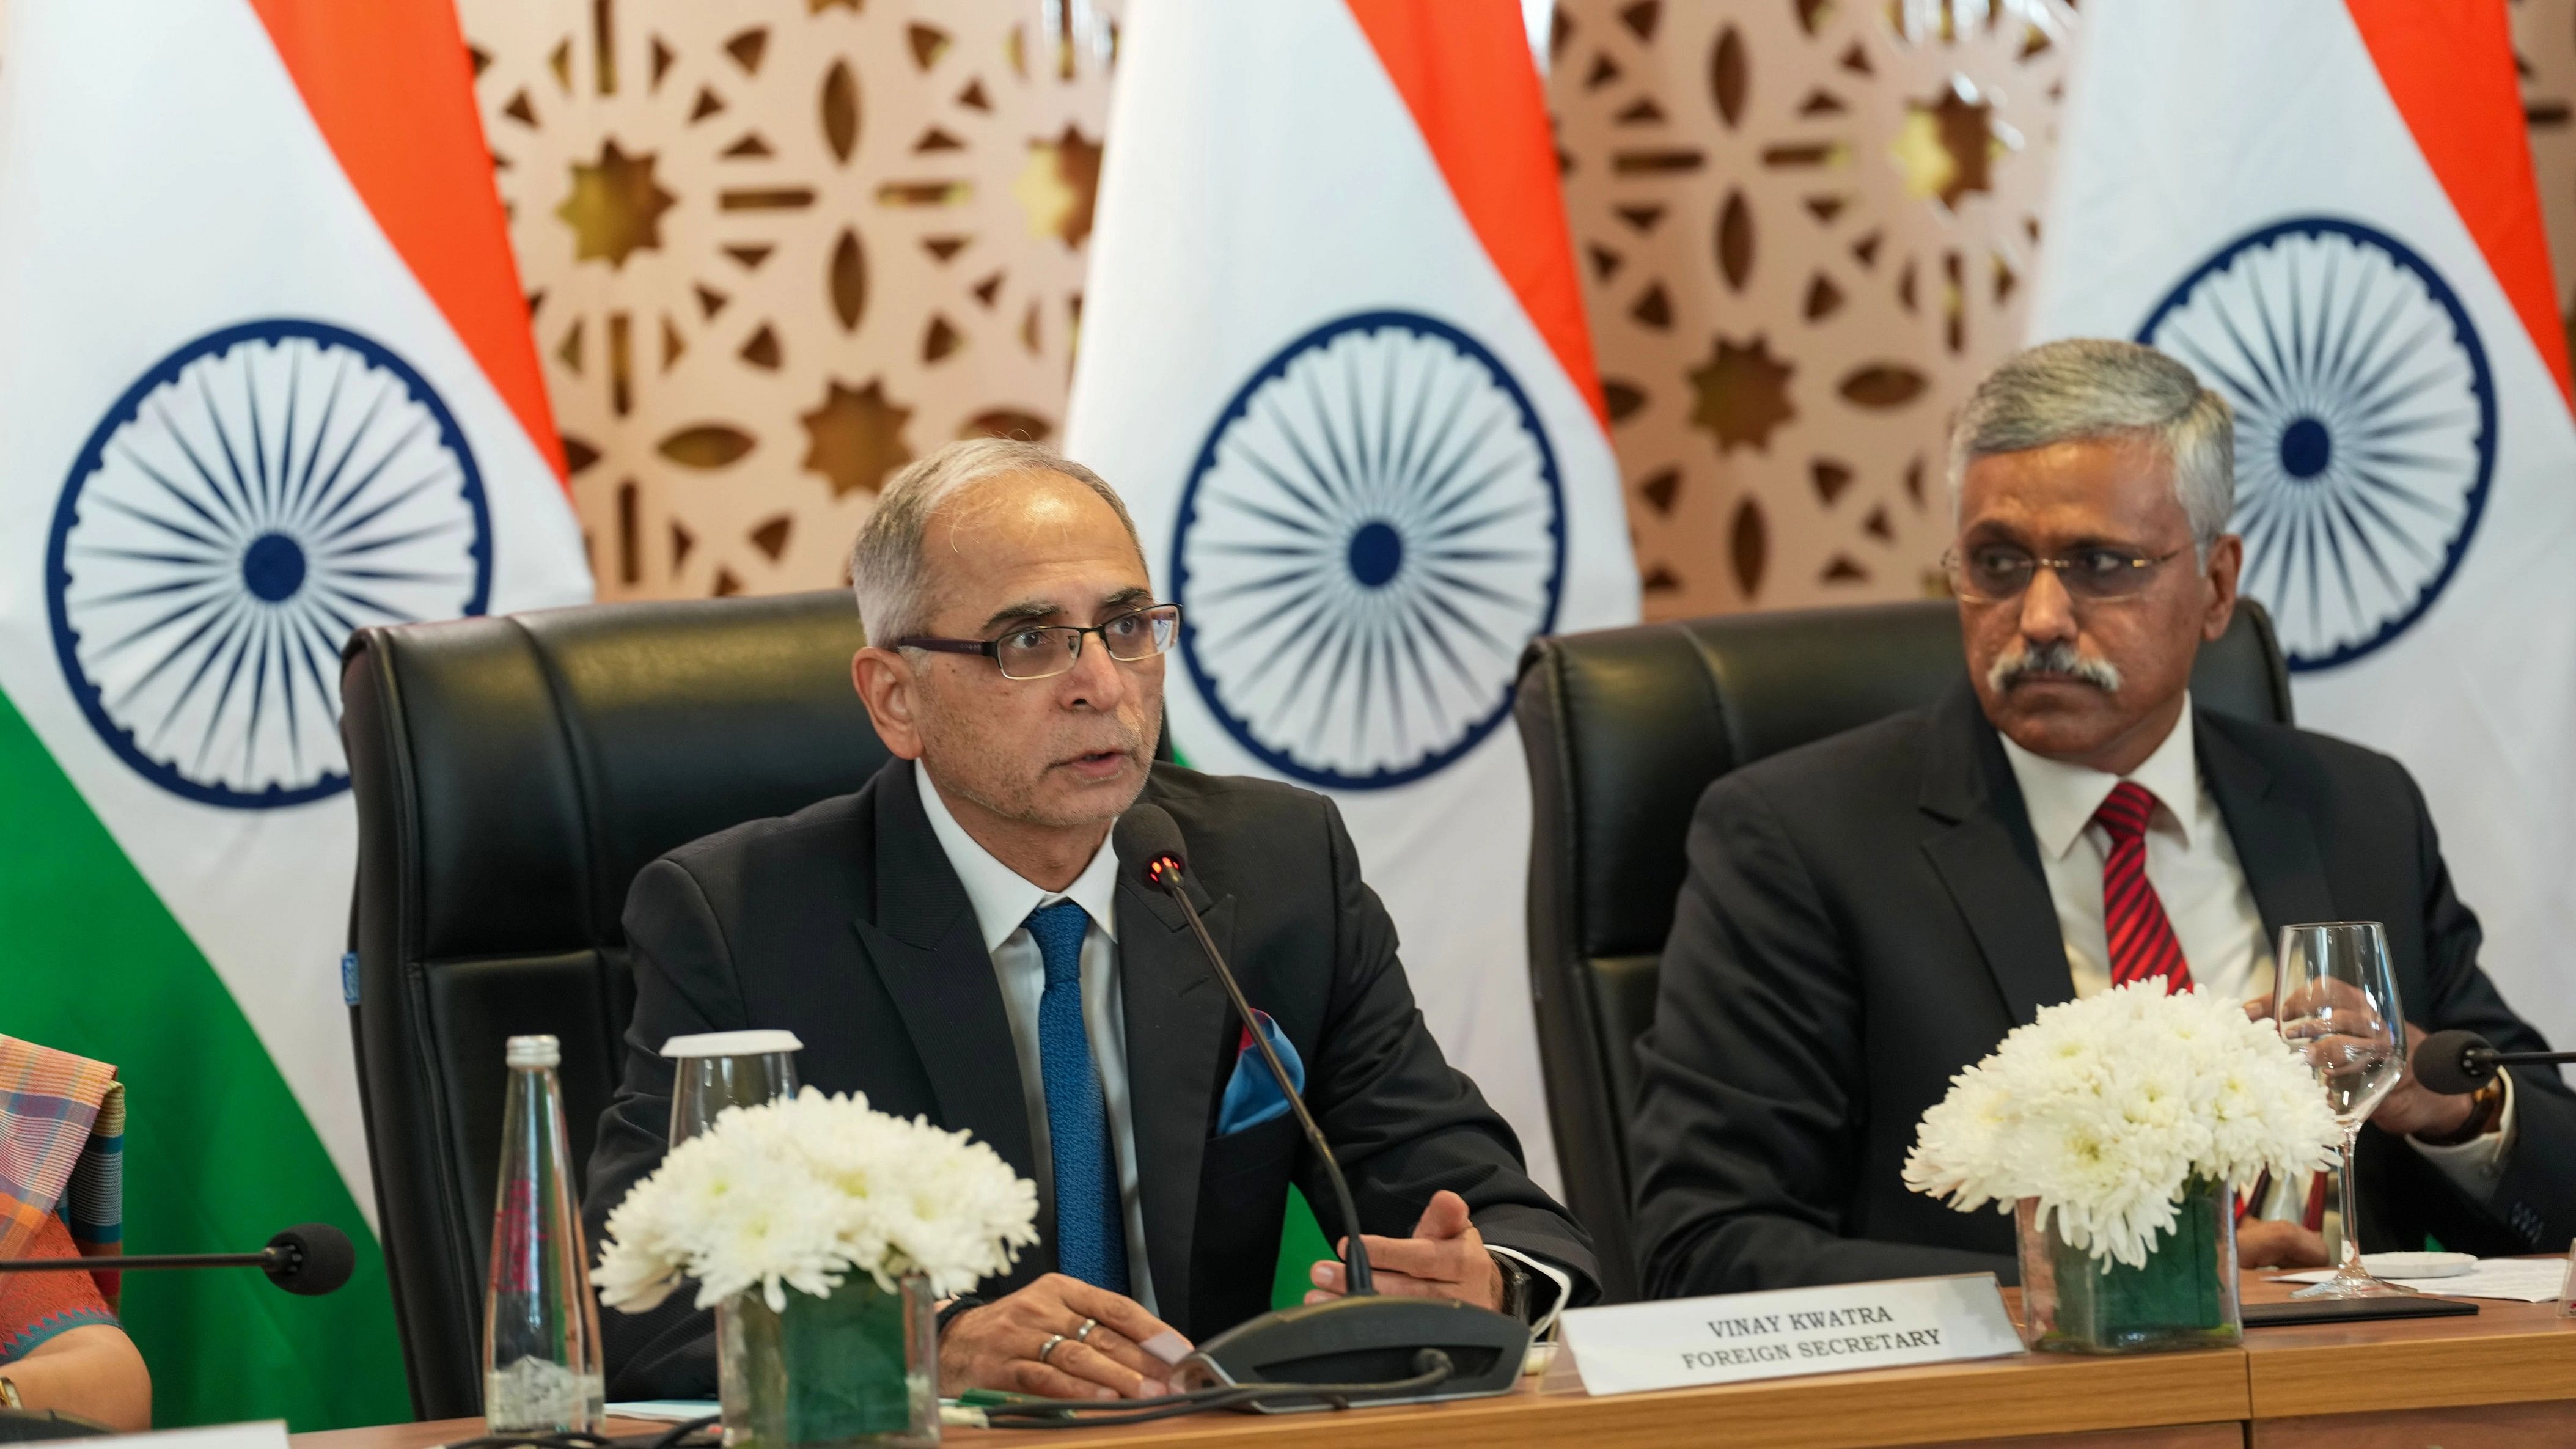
[992, 648]
[1954, 564]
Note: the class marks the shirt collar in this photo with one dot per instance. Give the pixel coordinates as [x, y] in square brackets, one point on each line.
[2061, 798]
[1001, 896]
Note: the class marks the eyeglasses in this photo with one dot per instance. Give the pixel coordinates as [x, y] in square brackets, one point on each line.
[1042, 651]
[1992, 573]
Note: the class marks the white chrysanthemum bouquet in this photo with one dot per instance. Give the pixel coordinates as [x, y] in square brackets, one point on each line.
[800, 1192]
[2106, 1108]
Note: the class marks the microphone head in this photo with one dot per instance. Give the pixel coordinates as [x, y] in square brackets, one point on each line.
[1150, 840]
[2449, 1062]
[311, 1259]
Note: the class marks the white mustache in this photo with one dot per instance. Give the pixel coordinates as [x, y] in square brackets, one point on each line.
[2058, 660]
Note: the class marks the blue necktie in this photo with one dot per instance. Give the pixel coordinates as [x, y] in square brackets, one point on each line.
[1090, 1230]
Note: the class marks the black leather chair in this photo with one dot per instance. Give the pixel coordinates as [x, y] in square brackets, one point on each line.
[512, 775]
[1625, 729]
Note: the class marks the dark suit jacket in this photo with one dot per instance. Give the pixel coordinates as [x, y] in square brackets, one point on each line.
[1866, 916]
[845, 923]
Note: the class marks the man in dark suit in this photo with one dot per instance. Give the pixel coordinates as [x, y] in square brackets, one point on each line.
[1868, 915]
[957, 940]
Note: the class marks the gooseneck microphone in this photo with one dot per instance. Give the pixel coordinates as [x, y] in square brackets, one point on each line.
[309, 1258]
[1363, 1336]
[1149, 836]
[2453, 1062]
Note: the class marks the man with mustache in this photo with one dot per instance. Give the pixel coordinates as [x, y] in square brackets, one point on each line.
[958, 939]
[1866, 916]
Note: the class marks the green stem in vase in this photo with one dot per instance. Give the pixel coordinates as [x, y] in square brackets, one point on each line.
[825, 1371]
[2182, 1297]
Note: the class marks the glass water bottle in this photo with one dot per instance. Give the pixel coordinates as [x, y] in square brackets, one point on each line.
[541, 1357]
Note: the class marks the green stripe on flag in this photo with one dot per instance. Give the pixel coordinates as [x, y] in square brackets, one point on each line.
[1302, 1245]
[217, 1154]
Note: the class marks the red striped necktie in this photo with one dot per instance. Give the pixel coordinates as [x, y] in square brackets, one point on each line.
[2141, 938]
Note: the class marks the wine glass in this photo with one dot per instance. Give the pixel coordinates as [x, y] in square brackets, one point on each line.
[2335, 999]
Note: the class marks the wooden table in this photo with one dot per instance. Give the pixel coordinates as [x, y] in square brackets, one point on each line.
[2501, 1380]
[2506, 1378]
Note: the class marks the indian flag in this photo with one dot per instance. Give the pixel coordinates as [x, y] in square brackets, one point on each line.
[2326, 208]
[1333, 355]
[265, 378]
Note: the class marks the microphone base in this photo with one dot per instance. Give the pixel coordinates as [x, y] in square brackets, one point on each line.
[26, 1426]
[1360, 1340]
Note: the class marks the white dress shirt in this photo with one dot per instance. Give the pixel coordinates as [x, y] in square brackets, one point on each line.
[2191, 862]
[2192, 865]
[1002, 899]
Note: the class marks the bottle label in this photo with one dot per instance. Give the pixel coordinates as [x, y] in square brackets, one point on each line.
[516, 1248]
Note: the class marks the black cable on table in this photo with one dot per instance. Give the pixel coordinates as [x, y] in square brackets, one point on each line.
[678, 1436]
[1047, 1414]
[1077, 1414]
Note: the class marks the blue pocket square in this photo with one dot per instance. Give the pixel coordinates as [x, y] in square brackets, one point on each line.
[1251, 1096]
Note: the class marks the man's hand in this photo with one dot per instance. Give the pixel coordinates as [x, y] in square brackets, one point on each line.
[2262, 1243]
[997, 1346]
[2412, 1108]
[1445, 1258]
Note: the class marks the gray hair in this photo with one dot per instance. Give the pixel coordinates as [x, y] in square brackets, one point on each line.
[887, 572]
[2085, 388]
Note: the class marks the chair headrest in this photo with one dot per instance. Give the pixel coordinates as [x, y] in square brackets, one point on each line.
[1644, 718]
[545, 758]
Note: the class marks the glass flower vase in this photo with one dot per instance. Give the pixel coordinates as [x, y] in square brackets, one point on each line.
[2185, 1296]
[858, 1367]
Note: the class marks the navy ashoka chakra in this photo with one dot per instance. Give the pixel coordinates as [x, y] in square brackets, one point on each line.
[1372, 532]
[2365, 425]
[250, 501]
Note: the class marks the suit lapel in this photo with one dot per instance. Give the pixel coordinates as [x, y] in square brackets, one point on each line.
[930, 955]
[2275, 844]
[1178, 1025]
[1988, 859]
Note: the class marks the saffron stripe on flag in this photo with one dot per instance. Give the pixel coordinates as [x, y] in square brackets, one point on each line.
[2450, 70]
[1464, 73]
[391, 88]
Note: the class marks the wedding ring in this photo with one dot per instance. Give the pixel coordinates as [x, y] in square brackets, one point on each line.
[1053, 1340]
[1083, 1334]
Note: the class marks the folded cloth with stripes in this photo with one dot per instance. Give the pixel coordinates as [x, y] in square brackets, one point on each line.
[63, 1117]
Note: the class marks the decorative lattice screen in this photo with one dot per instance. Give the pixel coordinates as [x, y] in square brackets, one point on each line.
[777, 247]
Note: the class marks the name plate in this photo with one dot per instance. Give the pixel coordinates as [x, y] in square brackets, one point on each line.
[270, 1434]
[1735, 1337]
